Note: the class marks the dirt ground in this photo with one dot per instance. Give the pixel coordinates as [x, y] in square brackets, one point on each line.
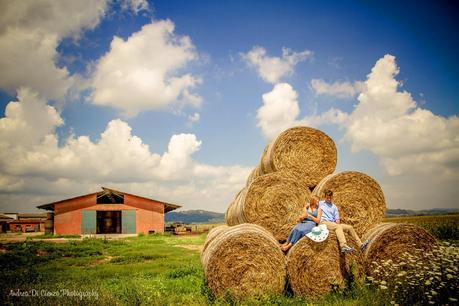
[20, 237]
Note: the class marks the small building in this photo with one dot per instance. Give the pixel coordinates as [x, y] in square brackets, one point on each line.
[16, 222]
[4, 220]
[107, 212]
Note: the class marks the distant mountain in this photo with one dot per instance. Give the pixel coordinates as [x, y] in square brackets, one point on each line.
[433, 211]
[195, 216]
[203, 216]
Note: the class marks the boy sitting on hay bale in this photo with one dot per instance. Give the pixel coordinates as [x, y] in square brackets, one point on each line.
[330, 217]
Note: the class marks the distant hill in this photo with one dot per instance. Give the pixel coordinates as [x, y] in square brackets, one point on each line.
[203, 216]
[195, 216]
[433, 211]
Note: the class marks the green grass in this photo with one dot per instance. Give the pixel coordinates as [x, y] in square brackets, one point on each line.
[149, 270]
[51, 236]
[146, 270]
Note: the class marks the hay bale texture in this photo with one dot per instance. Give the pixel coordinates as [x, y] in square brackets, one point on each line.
[313, 268]
[245, 260]
[390, 240]
[256, 172]
[308, 153]
[273, 201]
[359, 198]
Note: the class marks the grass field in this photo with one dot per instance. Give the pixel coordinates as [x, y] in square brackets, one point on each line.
[145, 270]
[444, 227]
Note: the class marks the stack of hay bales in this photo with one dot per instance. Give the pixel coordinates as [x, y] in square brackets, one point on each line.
[279, 186]
[244, 257]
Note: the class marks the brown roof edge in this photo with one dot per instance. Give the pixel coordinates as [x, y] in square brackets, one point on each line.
[170, 207]
[167, 206]
[50, 206]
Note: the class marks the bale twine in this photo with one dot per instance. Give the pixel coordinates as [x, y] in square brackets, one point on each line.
[390, 240]
[273, 200]
[245, 260]
[314, 268]
[212, 234]
[308, 153]
[359, 198]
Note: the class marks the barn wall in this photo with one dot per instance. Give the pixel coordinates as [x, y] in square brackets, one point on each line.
[149, 221]
[67, 214]
[149, 214]
[68, 222]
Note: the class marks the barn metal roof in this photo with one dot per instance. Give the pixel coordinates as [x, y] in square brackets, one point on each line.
[110, 193]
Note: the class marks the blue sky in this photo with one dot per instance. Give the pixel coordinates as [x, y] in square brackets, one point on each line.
[184, 87]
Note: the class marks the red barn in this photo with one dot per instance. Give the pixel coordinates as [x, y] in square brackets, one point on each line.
[107, 212]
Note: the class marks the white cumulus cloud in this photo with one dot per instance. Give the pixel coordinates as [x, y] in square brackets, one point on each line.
[272, 69]
[279, 110]
[30, 32]
[336, 89]
[35, 167]
[142, 72]
[407, 138]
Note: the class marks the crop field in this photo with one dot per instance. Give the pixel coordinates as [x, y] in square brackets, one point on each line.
[444, 227]
[145, 270]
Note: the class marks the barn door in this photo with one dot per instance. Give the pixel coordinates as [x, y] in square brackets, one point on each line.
[88, 222]
[128, 225]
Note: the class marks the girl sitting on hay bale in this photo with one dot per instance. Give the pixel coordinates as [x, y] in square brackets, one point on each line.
[308, 220]
[330, 217]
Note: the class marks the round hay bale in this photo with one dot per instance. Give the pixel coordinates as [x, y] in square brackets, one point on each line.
[390, 240]
[308, 153]
[212, 234]
[315, 268]
[229, 214]
[235, 213]
[262, 168]
[244, 260]
[273, 200]
[359, 198]
[256, 172]
[374, 230]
